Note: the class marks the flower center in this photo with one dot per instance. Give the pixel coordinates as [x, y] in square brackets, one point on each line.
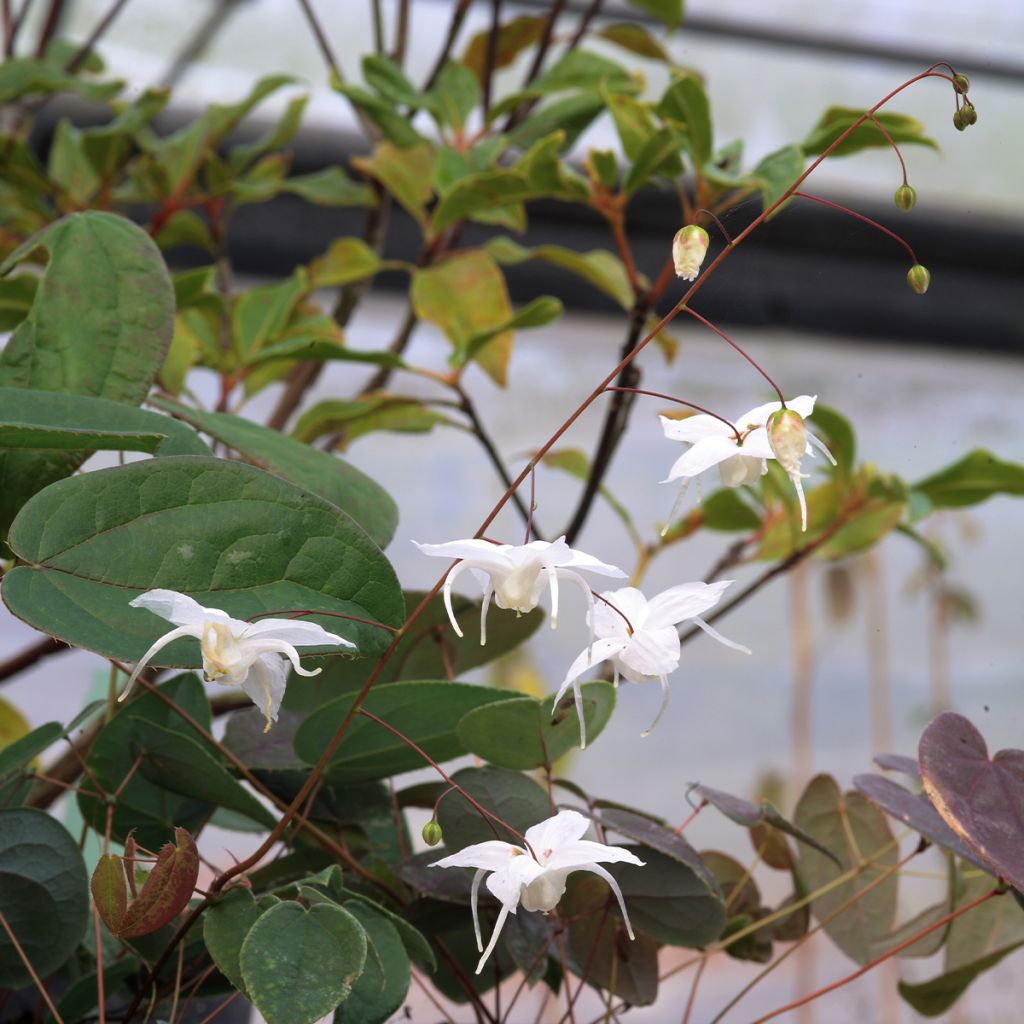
[520, 590]
[220, 650]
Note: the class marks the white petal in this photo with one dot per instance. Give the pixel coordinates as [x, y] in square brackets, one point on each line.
[491, 856]
[601, 873]
[180, 609]
[679, 603]
[703, 455]
[739, 471]
[715, 635]
[757, 446]
[758, 416]
[581, 560]
[482, 551]
[453, 574]
[553, 585]
[484, 605]
[265, 685]
[802, 404]
[295, 632]
[630, 602]
[494, 938]
[651, 652]
[661, 708]
[602, 650]
[583, 852]
[194, 630]
[816, 442]
[507, 883]
[553, 833]
[692, 429]
[253, 648]
[474, 906]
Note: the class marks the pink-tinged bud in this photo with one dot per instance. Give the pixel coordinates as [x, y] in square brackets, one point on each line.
[432, 834]
[787, 437]
[918, 278]
[689, 248]
[905, 198]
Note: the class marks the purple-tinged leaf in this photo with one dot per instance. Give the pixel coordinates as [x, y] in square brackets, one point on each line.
[899, 763]
[980, 798]
[166, 891]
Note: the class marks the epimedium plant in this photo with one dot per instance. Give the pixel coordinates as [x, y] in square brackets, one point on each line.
[236, 542]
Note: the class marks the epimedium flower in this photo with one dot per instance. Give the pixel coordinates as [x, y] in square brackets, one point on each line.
[252, 655]
[640, 637]
[534, 876]
[689, 247]
[739, 448]
[515, 574]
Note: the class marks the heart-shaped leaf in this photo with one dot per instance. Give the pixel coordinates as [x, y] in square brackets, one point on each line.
[980, 798]
[166, 891]
[229, 535]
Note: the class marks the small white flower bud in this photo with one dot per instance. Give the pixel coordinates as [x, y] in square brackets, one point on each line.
[688, 250]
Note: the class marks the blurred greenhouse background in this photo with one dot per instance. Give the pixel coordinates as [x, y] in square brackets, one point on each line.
[849, 658]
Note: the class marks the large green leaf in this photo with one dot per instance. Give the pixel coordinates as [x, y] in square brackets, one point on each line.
[686, 102]
[974, 478]
[382, 987]
[900, 128]
[100, 324]
[323, 474]
[425, 712]
[225, 926]
[299, 964]
[231, 536]
[859, 835]
[523, 733]
[511, 796]
[44, 420]
[44, 894]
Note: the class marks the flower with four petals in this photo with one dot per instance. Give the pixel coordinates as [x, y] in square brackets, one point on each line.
[252, 655]
[640, 637]
[534, 875]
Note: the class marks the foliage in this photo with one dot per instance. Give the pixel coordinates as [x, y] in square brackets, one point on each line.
[255, 521]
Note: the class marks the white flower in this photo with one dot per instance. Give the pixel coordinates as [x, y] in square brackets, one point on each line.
[516, 573]
[536, 879]
[740, 449]
[689, 247]
[252, 655]
[647, 648]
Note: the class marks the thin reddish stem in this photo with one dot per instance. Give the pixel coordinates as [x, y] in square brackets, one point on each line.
[618, 611]
[31, 970]
[896, 149]
[721, 226]
[858, 216]
[686, 821]
[853, 976]
[680, 401]
[750, 359]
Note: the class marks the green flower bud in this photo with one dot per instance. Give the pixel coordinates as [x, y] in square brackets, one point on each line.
[905, 197]
[432, 834]
[918, 278]
[961, 83]
[970, 115]
[958, 121]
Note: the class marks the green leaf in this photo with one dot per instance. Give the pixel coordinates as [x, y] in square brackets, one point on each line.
[382, 987]
[466, 296]
[225, 926]
[974, 478]
[578, 69]
[329, 187]
[25, 76]
[44, 420]
[347, 260]
[399, 413]
[668, 11]
[726, 511]
[571, 115]
[179, 763]
[44, 894]
[277, 136]
[16, 756]
[777, 172]
[537, 313]
[511, 796]
[522, 733]
[477, 192]
[16, 297]
[425, 712]
[634, 38]
[658, 155]
[262, 313]
[323, 474]
[686, 103]
[836, 120]
[406, 173]
[859, 835]
[429, 651]
[100, 324]
[837, 433]
[456, 94]
[513, 37]
[419, 949]
[230, 535]
[393, 124]
[151, 811]
[633, 121]
[299, 964]
[387, 78]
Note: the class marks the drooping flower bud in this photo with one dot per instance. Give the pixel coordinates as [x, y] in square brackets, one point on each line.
[432, 834]
[918, 278]
[958, 120]
[961, 83]
[968, 112]
[787, 437]
[905, 198]
[688, 250]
